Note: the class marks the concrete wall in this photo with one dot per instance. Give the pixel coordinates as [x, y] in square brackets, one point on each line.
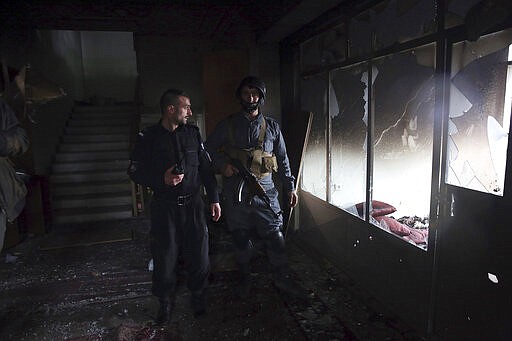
[89, 65]
[109, 65]
[56, 56]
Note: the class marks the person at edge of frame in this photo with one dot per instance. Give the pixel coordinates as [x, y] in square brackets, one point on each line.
[169, 157]
[13, 142]
[256, 142]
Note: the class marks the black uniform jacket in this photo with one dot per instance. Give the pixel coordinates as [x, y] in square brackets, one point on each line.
[157, 149]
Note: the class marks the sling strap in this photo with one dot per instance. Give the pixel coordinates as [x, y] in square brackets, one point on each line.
[261, 136]
[259, 162]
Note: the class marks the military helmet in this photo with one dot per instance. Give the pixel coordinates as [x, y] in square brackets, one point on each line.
[253, 82]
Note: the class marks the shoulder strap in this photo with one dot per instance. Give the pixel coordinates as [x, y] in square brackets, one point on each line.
[261, 136]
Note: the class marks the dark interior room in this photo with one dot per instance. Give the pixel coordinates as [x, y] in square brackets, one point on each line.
[395, 117]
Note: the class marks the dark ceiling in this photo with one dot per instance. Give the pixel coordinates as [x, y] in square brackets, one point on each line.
[197, 19]
[189, 18]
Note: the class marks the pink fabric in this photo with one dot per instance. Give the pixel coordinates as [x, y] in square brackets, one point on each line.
[379, 208]
[394, 226]
[418, 236]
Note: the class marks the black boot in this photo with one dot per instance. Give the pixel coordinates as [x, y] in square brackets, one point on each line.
[245, 284]
[164, 313]
[198, 303]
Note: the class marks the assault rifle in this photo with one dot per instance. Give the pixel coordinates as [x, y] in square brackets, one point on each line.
[255, 188]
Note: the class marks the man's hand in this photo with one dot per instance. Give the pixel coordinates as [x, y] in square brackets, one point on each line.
[229, 170]
[215, 210]
[172, 179]
[293, 198]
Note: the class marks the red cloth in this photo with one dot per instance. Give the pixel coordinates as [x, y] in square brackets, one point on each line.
[379, 208]
[394, 226]
[418, 236]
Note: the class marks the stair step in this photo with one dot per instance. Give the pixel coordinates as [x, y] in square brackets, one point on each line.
[93, 146]
[98, 130]
[89, 180]
[116, 121]
[91, 188]
[78, 215]
[92, 156]
[118, 137]
[118, 176]
[63, 167]
[92, 200]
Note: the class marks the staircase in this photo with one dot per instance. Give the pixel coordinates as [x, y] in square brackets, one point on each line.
[88, 180]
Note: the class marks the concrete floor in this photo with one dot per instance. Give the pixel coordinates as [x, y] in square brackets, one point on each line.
[91, 282]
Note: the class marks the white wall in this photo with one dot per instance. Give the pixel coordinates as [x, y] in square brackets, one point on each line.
[109, 65]
[110, 68]
[56, 56]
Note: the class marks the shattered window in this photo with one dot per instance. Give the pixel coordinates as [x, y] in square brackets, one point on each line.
[314, 99]
[390, 22]
[403, 94]
[348, 110]
[456, 11]
[325, 49]
[479, 113]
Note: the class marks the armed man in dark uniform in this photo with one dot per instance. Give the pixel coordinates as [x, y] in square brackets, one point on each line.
[170, 159]
[248, 146]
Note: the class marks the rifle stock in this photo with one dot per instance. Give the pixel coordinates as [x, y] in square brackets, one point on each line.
[250, 180]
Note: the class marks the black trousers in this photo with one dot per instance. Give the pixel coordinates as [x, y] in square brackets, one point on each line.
[244, 217]
[178, 229]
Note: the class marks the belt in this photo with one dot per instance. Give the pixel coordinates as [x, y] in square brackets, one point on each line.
[182, 200]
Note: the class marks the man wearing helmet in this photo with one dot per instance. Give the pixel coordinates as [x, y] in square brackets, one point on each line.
[255, 141]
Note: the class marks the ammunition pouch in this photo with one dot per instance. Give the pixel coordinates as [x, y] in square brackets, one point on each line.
[260, 163]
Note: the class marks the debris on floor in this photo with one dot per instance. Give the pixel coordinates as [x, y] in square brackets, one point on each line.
[102, 291]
